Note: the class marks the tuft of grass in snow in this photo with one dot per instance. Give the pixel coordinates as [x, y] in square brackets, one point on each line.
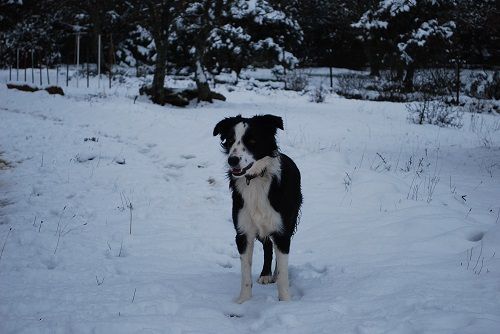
[126, 204]
[380, 164]
[486, 132]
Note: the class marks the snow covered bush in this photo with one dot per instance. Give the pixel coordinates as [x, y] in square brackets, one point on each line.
[351, 85]
[318, 94]
[436, 112]
[483, 85]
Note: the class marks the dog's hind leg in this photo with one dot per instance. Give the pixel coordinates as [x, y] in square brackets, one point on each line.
[266, 276]
[245, 248]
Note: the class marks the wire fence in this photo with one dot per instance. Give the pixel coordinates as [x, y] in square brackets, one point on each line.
[31, 68]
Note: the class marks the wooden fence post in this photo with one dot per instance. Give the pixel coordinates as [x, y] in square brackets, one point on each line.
[17, 62]
[32, 66]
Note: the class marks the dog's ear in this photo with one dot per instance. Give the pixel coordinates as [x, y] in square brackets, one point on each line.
[275, 122]
[224, 125]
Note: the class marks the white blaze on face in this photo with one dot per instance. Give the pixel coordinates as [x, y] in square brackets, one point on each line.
[238, 149]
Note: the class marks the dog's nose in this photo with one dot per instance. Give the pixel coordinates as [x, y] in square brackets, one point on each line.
[233, 161]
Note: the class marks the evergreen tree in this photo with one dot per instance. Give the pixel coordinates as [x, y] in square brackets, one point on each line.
[406, 34]
[224, 34]
[24, 26]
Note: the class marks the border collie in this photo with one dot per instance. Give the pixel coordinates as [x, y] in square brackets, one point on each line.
[265, 186]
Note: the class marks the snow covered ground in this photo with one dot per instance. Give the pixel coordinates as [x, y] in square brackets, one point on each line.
[400, 228]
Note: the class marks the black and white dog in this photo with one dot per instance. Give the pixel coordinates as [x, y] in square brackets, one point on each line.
[266, 196]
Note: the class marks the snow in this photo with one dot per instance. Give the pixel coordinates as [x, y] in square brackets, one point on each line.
[381, 248]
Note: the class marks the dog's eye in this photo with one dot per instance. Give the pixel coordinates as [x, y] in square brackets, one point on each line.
[252, 141]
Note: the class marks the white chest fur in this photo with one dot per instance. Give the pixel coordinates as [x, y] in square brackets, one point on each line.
[257, 216]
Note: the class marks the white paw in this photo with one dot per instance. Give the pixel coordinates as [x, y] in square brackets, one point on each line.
[266, 279]
[284, 297]
[243, 298]
[258, 166]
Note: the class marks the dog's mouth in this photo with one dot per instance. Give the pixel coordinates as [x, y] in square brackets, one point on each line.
[240, 171]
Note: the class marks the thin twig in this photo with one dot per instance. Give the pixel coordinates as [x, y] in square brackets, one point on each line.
[5, 242]
[130, 209]
[478, 257]
[133, 298]
[59, 222]
[381, 157]
[470, 257]
[121, 247]
[481, 269]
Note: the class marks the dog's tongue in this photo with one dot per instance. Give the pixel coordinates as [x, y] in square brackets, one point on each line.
[236, 170]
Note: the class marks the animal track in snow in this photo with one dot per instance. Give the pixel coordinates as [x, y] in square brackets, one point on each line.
[175, 166]
[225, 265]
[476, 236]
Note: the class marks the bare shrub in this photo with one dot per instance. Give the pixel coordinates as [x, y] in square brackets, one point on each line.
[435, 81]
[361, 86]
[485, 131]
[479, 106]
[351, 85]
[296, 80]
[436, 112]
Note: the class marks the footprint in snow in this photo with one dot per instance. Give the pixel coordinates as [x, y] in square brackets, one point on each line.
[475, 236]
[308, 271]
[175, 166]
[84, 157]
[304, 273]
[225, 265]
[50, 263]
[147, 149]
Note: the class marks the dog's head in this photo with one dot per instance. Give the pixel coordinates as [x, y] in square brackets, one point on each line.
[247, 140]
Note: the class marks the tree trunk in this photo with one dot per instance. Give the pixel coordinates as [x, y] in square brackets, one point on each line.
[457, 83]
[373, 58]
[204, 92]
[158, 89]
[95, 12]
[408, 80]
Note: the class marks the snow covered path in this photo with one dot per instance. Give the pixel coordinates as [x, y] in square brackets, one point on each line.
[400, 227]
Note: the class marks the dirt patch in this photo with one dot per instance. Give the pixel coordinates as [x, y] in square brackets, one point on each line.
[26, 88]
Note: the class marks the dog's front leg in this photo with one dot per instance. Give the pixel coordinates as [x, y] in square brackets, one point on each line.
[245, 248]
[282, 248]
[259, 166]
